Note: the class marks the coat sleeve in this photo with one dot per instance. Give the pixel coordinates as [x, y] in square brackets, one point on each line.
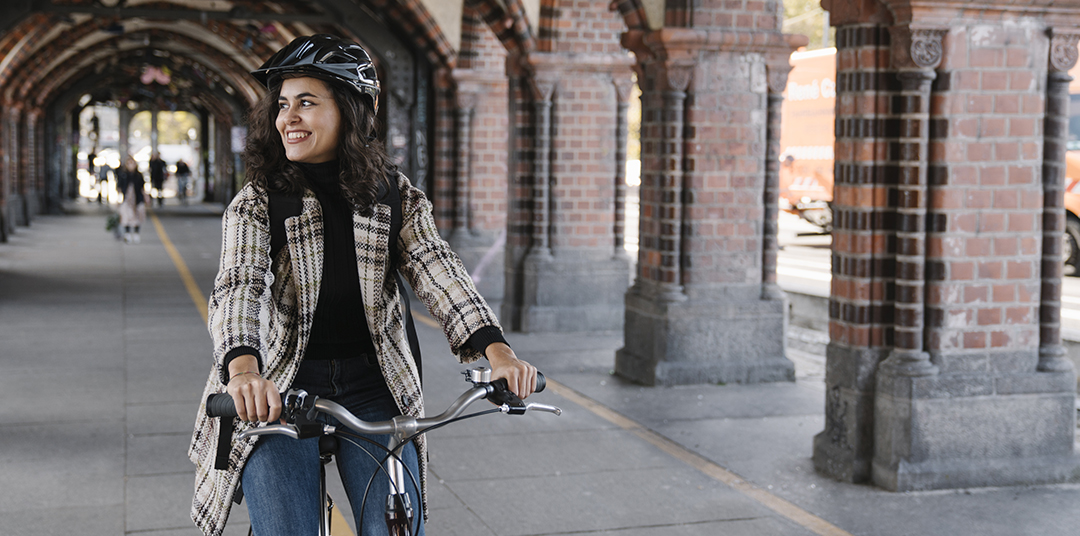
[244, 275]
[438, 276]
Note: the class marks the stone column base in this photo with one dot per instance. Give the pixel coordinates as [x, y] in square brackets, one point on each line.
[572, 291]
[949, 431]
[724, 336]
[845, 449]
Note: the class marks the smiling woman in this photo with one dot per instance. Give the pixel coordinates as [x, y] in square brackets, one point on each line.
[333, 322]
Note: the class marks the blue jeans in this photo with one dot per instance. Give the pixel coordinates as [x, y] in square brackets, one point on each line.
[281, 478]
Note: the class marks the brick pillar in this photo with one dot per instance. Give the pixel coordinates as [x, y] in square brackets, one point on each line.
[937, 250]
[466, 105]
[1063, 54]
[860, 310]
[623, 86]
[6, 180]
[38, 198]
[570, 279]
[700, 310]
[778, 69]
[16, 162]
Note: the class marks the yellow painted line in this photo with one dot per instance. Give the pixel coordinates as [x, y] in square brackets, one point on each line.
[794, 513]
[181, 267]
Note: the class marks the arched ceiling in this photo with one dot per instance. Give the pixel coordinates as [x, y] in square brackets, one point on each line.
[121, 50]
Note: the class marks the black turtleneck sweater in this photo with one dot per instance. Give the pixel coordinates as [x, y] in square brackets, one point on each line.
[339, 329]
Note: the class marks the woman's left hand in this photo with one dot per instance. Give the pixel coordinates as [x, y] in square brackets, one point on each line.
[520, 375]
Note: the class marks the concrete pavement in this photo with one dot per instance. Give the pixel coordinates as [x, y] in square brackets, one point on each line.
[103, 354]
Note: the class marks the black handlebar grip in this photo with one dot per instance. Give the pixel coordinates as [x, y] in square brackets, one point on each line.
[541, 382]
[220, 405]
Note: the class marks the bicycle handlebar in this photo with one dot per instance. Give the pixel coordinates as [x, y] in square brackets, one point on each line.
[222, 405]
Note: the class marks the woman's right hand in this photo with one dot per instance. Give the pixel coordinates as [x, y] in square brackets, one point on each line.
[256, 398]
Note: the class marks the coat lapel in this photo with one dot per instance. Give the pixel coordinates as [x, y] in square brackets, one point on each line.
[305, 242]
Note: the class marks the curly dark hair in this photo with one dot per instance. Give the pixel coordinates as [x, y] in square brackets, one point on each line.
[364, 162]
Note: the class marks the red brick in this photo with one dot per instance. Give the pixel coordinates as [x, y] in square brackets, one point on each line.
[980, 104]
[976, 294]
[992, 127]
[994, 81]
[974, 340]
[1019, 315]
[1006, 104]
[1021, 127]
[999, 339]
[1006, 247]
[1023, 223]
[961, 271]
[991, 269]
[986, 57]
[1018, 269]
[987, 317]
[977, 199]
[1004, 293]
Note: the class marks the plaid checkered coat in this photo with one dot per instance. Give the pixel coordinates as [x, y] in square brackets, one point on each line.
[253, 305]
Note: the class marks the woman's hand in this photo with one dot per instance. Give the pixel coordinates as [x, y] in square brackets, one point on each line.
[520, 376]
[256, 398]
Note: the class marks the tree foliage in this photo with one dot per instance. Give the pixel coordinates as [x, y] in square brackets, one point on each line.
[807, 18]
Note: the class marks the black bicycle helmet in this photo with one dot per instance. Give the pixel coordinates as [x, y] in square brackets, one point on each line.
[325, 57]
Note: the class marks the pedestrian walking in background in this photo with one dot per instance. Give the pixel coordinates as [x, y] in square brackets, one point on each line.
[157, 176]
[183, 176]
[102, 180]
[131, 184]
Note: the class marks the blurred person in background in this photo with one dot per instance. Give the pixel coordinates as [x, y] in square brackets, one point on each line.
[131, 184]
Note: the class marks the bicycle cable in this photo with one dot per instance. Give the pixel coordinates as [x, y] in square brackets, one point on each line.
[349, 436]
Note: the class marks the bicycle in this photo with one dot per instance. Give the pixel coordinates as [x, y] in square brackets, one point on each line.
[299, 411]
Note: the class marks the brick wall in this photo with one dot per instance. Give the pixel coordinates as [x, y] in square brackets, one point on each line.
[985, 190]
[580, 26]
[984, 196]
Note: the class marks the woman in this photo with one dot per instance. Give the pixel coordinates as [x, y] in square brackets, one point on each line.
[131, 183]
[338, 330]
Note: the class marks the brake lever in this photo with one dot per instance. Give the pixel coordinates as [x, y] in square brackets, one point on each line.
[501, 395]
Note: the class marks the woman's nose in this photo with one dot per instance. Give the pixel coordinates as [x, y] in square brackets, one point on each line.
[289, 116]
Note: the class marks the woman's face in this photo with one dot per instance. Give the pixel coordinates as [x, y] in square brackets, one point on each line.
[308, 120]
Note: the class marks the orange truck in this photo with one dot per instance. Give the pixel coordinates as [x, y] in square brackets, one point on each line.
[807, 138]
[1071, 252]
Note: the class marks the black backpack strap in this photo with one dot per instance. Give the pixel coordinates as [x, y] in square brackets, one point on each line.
[281, 206]
[224, 444]
[392, 197]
